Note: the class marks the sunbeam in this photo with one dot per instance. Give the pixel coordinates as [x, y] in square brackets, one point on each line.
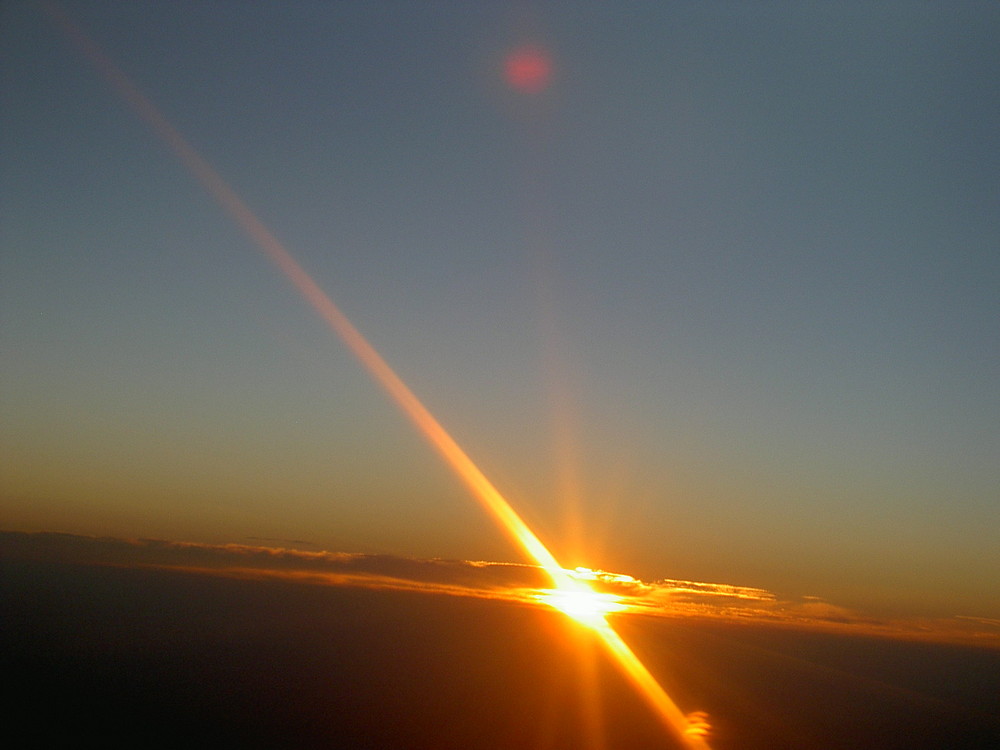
[570, 595]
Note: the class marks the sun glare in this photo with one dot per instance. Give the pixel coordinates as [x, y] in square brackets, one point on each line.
[582, 603]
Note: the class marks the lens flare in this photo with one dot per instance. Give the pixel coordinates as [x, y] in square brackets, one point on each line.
[528, 70]
[569, 595]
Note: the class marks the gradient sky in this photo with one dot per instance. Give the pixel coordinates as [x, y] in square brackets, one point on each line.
[720, 303]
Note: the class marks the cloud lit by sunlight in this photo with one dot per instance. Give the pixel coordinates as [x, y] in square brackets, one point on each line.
[517, 583]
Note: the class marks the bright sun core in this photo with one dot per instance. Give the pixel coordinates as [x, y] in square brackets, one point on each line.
[582, 603]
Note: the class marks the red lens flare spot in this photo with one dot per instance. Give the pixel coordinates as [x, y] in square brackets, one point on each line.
[528, 69]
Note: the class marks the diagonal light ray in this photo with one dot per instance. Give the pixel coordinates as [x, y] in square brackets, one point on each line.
[482, 489]
[321, 303]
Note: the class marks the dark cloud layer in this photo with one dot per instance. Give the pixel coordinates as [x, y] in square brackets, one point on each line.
[225, 655]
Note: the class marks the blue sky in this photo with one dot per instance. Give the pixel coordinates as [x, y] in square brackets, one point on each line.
[720, 303]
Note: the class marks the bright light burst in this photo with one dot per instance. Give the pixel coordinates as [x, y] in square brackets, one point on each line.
[570, 595]
[576, 599]
[582, 603]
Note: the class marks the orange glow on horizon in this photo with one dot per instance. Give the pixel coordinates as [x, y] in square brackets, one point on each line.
[528, 70]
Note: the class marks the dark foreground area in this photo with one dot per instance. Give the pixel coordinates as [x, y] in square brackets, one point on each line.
[144, 657]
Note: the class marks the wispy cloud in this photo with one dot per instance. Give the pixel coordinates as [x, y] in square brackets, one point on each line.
[475, 578]
[512, 582]
[296, 543]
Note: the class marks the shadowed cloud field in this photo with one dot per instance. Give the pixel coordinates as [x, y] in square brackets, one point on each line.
[131, 641]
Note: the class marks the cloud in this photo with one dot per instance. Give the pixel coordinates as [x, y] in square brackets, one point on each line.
[512, 582]
[473, 578]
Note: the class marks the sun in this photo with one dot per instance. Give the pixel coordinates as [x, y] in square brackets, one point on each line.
[582, 603]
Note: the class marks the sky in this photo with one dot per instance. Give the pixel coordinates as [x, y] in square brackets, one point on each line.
[716, 300]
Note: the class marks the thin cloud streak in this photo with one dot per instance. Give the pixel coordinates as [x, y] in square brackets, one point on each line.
[516, 583]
